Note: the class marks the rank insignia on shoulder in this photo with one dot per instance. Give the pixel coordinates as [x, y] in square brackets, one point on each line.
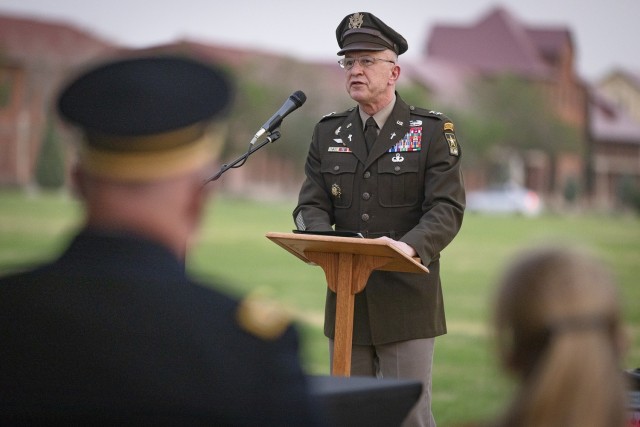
[448, 126]
[453, 143]
[262, 317]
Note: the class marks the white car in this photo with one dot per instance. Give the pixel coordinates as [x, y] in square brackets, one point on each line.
[508, 199]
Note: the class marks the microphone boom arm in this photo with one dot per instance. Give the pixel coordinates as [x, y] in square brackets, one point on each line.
[272, 137]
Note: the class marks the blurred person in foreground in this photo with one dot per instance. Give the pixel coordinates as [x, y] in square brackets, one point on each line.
[114, 330]
[388, 170]
[560, 334]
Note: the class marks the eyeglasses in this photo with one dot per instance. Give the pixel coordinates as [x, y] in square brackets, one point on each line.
[364, 61]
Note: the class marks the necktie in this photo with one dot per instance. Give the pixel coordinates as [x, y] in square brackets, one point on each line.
[370, 132]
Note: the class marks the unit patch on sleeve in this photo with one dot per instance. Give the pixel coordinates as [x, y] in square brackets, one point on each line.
[262, 318]
[453, 143]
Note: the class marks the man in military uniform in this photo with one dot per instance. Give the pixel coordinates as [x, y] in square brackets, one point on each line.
[113, 331]
[403, 184]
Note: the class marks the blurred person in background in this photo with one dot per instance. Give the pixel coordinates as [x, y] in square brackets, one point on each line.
[560, 334]
[114, 330]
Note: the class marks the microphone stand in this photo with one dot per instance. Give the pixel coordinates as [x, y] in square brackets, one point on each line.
[272, 137]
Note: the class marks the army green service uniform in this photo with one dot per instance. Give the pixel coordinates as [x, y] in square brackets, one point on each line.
[404, 183]
[410, 188]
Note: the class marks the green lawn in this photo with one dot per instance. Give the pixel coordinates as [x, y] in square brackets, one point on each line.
[467, 384]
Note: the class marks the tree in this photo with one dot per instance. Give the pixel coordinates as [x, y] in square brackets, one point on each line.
[414, 94]
[50, 173]
[510, 115]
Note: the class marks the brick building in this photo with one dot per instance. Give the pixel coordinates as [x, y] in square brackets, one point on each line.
[498, 44]
[34, 58]
[36, 55]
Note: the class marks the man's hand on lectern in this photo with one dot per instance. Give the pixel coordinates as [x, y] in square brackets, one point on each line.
[400, 245]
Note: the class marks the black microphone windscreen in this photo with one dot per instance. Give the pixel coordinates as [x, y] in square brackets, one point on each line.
[299, 97]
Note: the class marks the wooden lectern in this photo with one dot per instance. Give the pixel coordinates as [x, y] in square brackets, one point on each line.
[347, 263]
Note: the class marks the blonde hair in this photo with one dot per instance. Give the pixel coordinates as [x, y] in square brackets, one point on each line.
[559, 329]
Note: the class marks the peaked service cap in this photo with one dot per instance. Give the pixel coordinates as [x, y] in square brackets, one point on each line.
[144, 117]
[365, 31]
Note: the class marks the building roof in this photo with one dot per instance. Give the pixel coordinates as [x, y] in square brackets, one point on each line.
[500, 43]
[446, 81]
[610, 123]
[630, 76]
[29, 39]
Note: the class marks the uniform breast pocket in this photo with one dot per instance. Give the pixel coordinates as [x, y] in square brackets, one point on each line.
[398, 180]
[338, 171]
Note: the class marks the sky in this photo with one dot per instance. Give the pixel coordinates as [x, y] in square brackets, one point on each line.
[605, 33]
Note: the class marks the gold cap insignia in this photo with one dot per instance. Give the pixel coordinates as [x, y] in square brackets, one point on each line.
[355, 21]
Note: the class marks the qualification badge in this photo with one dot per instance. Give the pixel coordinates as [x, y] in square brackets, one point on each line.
[397, 158]
[336, 191]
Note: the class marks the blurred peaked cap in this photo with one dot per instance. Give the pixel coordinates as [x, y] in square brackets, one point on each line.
[365, 31]
[146, 117]
[145, 95]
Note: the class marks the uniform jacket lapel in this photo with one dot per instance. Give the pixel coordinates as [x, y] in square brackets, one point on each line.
[351, 134]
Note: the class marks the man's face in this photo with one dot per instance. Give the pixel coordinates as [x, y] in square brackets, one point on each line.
[369, 81]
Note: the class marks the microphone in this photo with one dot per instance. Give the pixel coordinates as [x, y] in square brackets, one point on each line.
[294, 102]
